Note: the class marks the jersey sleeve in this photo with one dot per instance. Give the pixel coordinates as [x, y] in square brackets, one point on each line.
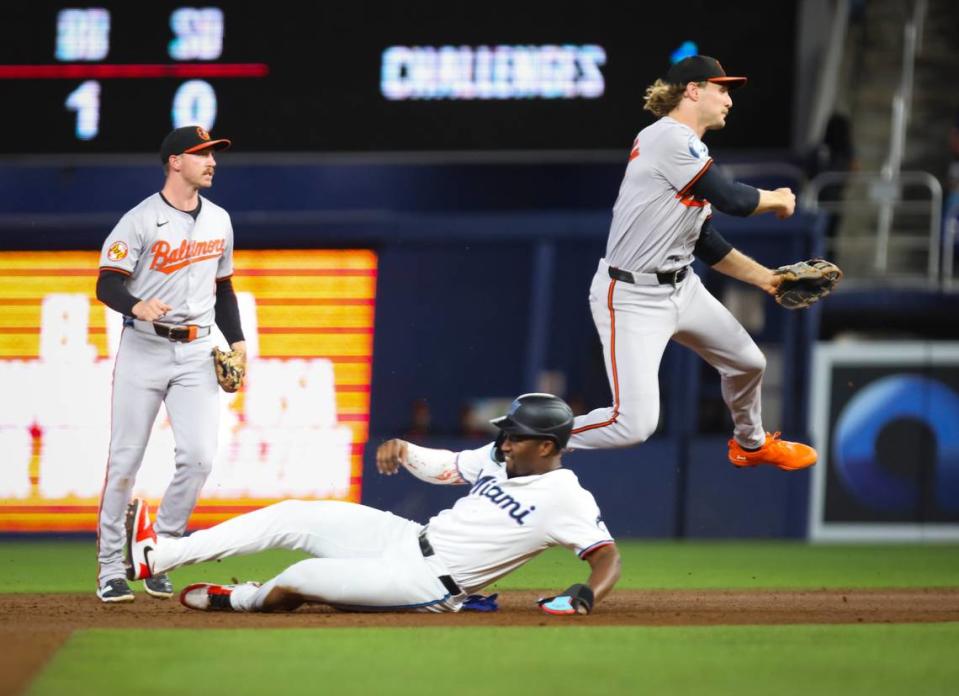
[579, 524]
[683, 159]
[224, 268]
[123, 247]
[470, 463]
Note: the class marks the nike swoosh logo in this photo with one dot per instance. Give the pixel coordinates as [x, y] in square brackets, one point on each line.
[146, 559]
[161, 224]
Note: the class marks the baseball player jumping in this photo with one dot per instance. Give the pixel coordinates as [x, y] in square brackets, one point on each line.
[521, 501]
[166, 268]
[645, 292]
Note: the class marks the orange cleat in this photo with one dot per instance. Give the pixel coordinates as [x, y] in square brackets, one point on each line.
[788, 456]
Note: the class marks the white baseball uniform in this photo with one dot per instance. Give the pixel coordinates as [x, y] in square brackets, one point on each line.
[656, 223]
[168, 255]
[374, 560]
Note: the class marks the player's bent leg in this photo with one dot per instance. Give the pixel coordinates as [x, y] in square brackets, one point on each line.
[634, 324]
[359, 584]
[320, 528]
[608, 428]
[709, 329]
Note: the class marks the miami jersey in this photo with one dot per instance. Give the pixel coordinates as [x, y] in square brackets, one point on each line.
[503, 522]
[656, 220]
[169, 255]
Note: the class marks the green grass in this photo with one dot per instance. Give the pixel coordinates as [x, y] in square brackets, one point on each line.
[559, 658]
[71, 566]
[803, 660]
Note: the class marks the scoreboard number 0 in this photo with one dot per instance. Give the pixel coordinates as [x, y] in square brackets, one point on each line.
[194, 103]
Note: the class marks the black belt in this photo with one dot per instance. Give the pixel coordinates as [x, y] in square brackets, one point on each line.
[670, 278]
[427, 550]
[181, 334]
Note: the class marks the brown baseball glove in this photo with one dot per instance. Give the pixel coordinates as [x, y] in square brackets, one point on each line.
[230, 367]
[806, 282]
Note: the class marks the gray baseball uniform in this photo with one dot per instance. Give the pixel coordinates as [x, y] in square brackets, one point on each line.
[168, 255]
[656, 223]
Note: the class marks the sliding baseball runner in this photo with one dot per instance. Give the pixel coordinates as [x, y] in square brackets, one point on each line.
[520, 502]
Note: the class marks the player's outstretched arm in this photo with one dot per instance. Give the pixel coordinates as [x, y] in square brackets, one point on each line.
[605, 565]
[427, 464]
[580, 599]
[742, 200]
[737, 265]
[782, 202]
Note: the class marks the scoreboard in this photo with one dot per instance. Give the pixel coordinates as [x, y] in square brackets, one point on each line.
[112, 77]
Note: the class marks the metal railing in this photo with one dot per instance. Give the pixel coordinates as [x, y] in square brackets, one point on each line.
[901, 108]
[950, 233]
[886, 194]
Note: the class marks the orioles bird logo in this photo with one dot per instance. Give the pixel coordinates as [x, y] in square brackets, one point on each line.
[117, 251]
[203, 135]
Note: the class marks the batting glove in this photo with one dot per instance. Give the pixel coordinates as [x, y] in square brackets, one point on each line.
[576, 599]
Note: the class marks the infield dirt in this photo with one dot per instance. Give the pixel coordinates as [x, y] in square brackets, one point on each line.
[32, 627]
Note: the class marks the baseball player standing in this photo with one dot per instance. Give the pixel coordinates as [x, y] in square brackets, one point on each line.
[166, 268]
[520, 502]
[645, 292]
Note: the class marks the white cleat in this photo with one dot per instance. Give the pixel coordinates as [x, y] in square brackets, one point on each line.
[141, 541]
[205, 596]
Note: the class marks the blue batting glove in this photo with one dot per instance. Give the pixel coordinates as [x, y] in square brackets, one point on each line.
[558, 605]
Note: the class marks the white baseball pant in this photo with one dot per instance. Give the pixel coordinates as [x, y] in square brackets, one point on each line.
[635, 322]
[365, 559]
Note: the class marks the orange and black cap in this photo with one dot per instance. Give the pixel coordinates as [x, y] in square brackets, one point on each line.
[701, 69]
[189, 139]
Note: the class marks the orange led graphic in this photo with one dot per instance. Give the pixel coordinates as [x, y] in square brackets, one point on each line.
[297, 428]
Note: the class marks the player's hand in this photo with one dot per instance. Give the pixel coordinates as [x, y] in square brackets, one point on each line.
[577, 599]
[150, 310]
[787, 203]
[390, 456]
[240, 349]
[770, 282]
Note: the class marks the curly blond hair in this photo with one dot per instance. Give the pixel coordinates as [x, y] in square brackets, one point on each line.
[661, 97]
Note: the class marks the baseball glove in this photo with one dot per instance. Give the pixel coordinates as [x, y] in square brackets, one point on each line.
[806, 282]
[230, 366]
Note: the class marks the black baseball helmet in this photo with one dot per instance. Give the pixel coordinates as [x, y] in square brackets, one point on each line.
[538, 415]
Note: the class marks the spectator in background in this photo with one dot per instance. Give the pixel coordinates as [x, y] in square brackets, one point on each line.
[420, 421]
[470, 423]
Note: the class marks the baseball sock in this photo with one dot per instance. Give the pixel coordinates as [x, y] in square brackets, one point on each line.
[249, 597]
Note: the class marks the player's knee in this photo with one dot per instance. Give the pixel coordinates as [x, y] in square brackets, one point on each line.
[755, 361]
[637, 427]
[197, 460]
[124, 462]
[295, 513]
[750, 362]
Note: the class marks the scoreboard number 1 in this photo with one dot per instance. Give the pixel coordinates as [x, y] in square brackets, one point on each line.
[85, 100]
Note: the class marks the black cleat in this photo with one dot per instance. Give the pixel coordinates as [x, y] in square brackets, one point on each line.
[115, 591]
[159, 586]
